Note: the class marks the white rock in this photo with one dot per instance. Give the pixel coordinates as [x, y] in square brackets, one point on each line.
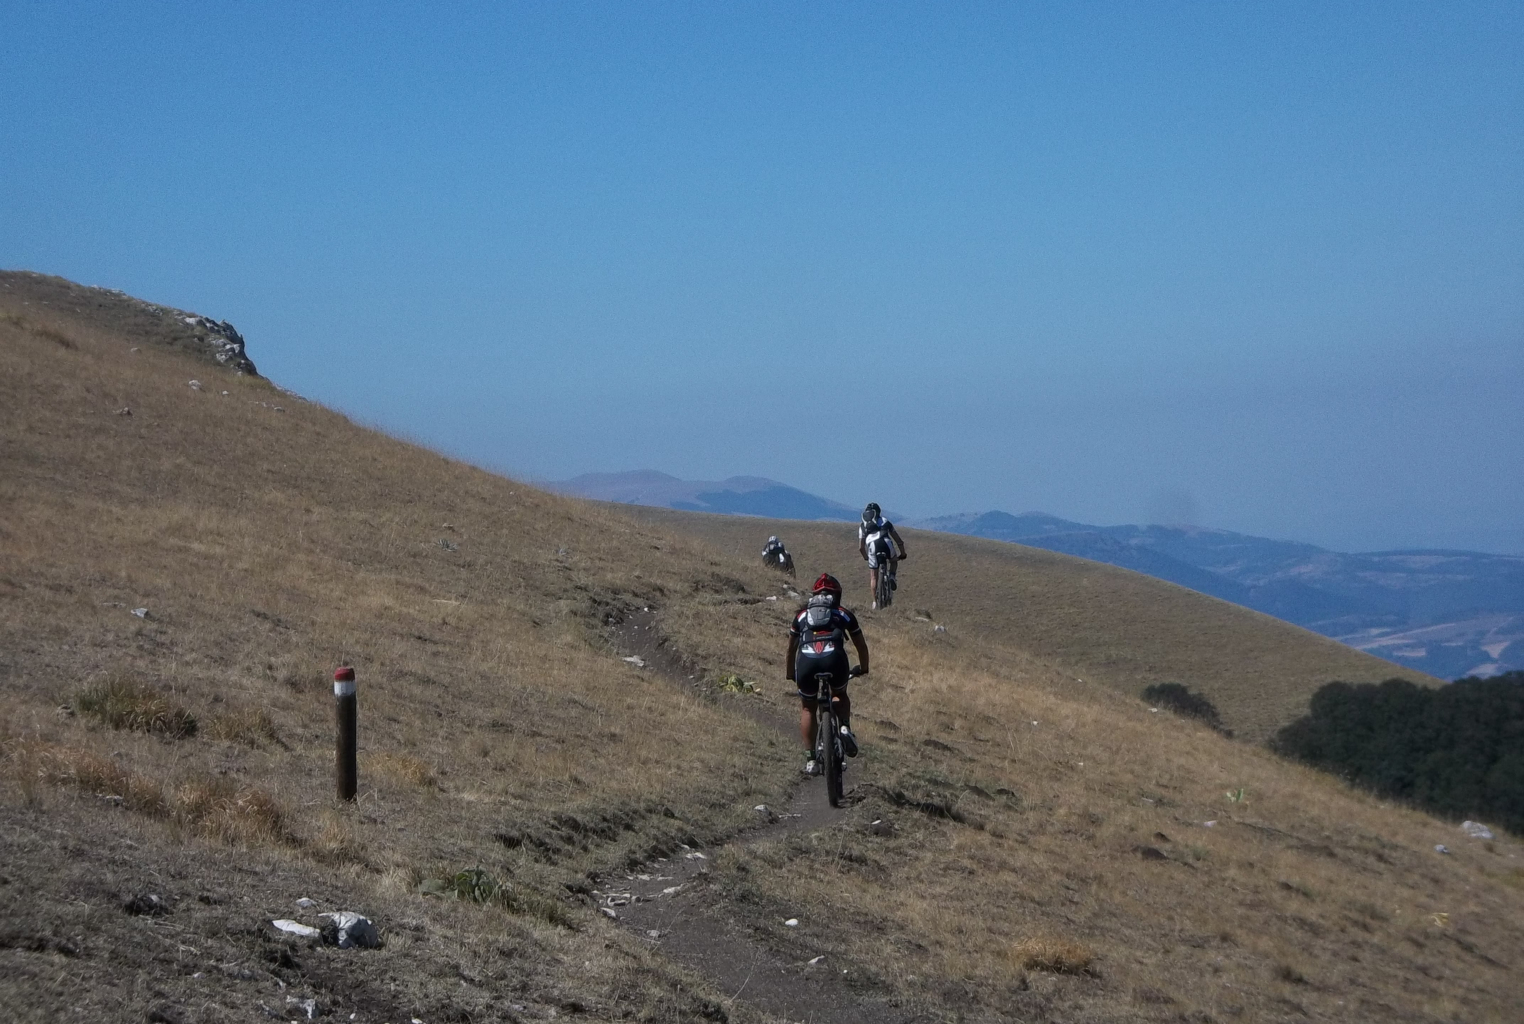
[817, 960]
[1476, 830]
[760, 808]
[354, 930]
[653, 933]
[695, 855]
[1210, 824]
[792, 922]
[636, 661]
[297, 928]
[607, 912]
[141, 613]
[305, 903]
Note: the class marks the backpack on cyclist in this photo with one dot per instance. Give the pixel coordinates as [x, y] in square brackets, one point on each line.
[820, 632]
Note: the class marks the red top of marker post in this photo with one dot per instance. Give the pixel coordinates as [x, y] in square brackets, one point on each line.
[344, 675]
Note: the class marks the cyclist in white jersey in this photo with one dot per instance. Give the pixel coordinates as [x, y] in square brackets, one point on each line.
[878, 542]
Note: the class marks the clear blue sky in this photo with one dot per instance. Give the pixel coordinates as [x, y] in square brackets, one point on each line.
[1257, 266]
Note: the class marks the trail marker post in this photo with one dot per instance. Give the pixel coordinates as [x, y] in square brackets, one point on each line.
[346, 770]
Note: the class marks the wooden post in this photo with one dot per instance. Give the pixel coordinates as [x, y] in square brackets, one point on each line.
[346, 770]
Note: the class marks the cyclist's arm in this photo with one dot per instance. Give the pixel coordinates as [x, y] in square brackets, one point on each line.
[793, 649]
[861, 643]
[898, 540]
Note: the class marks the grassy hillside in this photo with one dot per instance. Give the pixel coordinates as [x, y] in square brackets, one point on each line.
[1099, 623]
[1019, 845]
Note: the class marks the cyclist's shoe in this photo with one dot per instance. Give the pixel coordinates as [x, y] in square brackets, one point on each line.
[894, 584]
[848, 742]
[875, 606]
[812, 766]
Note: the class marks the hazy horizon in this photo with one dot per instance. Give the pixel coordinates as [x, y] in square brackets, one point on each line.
[1259, 268]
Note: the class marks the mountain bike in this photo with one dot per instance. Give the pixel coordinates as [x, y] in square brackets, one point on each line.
[828, 752]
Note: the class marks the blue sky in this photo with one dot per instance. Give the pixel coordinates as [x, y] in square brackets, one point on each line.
[1259, 266]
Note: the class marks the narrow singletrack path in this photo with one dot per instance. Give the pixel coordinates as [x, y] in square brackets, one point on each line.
[668, 904]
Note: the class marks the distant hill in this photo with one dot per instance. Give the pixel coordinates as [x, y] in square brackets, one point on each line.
[738, 495]
[1447, 613]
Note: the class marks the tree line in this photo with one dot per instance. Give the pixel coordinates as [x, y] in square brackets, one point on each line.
[1456, 751]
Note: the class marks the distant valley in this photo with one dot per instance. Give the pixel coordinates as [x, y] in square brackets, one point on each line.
[1447, 613]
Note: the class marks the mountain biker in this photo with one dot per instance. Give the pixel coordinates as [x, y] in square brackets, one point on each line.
[816, 643]
[776, 555]
[877, 541]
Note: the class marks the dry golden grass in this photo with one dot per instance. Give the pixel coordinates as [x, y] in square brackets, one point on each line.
[32, 761]
[223, 810]
[251, 727]
[125, 704]
[403, 768]
[1045, 953]
[271, 546]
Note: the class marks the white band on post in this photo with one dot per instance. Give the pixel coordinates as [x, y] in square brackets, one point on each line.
[344, 688]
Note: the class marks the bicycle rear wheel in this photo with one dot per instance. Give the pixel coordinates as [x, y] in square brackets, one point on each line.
[831, 746]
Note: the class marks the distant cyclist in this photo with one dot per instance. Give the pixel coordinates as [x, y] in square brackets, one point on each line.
[817, 643]
[774, 554]
[880, 543]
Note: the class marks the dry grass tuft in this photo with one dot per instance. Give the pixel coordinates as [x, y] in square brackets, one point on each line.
[338, 842]
[123, 703]
[218, 808]
[38, 761]
[399, 768]
[1044, 953]
[251, 727]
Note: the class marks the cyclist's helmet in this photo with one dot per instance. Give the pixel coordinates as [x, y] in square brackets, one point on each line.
[772, 540]
[870, 514]
[827, 584]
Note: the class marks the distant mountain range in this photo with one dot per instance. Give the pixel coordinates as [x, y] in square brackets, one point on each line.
[1448, 613]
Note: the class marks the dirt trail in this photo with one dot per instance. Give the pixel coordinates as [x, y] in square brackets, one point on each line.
[669, 904]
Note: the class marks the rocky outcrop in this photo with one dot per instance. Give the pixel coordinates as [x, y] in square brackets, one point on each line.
[60, 304]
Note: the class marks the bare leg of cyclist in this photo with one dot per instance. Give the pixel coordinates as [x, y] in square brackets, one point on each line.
[873, 585]
[807, 725]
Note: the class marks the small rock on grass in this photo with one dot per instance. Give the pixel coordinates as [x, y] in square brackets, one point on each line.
[145, 904]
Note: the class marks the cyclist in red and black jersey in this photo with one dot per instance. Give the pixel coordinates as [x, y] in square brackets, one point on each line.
[816, 643]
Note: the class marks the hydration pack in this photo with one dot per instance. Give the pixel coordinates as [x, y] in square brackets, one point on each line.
[820, 633]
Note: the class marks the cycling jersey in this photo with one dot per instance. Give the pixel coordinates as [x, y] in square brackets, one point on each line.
[821, 633]
[875, 540]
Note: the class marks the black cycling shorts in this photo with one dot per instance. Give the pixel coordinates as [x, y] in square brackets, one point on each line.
[805, 668]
